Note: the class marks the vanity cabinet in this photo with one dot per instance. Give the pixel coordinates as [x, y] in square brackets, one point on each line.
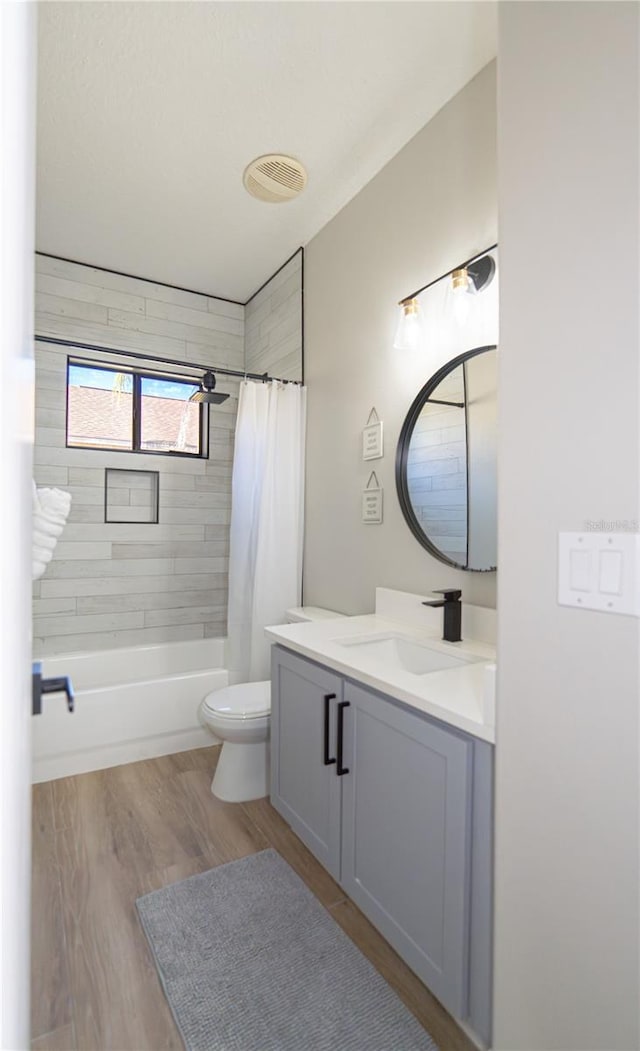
[405, 827]
[304, 786]
[397, 807]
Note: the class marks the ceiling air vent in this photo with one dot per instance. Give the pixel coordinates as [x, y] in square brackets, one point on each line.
[274, 178]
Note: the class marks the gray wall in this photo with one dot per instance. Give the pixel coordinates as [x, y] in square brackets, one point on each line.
[273, 324]
[566, 950]
[432, 206]
[117, 585]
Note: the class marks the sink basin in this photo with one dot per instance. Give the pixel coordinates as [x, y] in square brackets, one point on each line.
[401, 653]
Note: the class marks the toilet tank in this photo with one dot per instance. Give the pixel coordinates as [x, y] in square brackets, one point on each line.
[301, 613]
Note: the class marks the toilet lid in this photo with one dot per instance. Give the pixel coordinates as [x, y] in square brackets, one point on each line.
[246, 700]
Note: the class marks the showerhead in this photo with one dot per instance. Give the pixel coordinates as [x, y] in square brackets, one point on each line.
[207, 392]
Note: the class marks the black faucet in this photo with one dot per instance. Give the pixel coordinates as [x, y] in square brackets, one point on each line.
[452, 613]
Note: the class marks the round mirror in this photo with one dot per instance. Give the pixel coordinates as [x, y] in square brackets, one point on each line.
[446, 462]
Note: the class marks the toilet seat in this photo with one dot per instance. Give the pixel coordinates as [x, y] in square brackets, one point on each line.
[244, 701]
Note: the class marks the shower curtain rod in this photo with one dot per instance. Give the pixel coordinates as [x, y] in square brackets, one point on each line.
[263, 376]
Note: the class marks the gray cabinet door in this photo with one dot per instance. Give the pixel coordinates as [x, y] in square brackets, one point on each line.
[406, 835]
[303, 789]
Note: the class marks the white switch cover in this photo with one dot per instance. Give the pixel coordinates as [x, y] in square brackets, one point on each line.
[600, 571]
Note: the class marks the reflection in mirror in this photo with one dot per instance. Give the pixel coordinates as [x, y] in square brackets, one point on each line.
[437, 468]
[446, 462]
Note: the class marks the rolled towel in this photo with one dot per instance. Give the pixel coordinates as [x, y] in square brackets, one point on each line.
[40, 557]
[50, 511]
[54, 500]
[37, 568]
[43, 540]
[52, 508]
[47, 525]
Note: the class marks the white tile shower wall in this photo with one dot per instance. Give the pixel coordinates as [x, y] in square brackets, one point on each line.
[274, 324]
[110, 586]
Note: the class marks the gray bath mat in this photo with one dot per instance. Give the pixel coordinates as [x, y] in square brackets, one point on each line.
[251, 961]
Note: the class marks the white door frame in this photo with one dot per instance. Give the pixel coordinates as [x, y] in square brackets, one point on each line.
[17, 221]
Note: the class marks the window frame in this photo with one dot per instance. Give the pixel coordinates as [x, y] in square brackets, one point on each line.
[137, 376]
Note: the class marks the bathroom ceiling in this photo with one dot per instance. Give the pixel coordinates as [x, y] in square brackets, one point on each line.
[149, 112]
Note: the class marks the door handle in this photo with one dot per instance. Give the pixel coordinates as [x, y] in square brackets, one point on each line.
[326, 758]
[42, 686]
[340, 745]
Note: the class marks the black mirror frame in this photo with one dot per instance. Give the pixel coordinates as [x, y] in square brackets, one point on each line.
[402, 454]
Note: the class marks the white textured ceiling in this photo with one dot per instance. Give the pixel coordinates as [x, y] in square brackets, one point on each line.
[149, 113]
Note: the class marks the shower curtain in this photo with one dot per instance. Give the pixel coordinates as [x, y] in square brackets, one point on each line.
[265, 563]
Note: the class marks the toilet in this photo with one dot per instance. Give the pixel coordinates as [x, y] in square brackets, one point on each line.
[239, 716]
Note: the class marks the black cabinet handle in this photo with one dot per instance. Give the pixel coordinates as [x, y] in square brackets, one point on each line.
[326, 758]
[341, 707]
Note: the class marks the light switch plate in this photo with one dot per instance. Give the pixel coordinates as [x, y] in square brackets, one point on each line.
[600, 571]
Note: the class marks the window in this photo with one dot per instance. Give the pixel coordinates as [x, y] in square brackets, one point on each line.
[131, 411]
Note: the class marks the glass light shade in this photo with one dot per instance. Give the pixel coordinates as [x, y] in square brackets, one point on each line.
[410, 331]
[462, 291]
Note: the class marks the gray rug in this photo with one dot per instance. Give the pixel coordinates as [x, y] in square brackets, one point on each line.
[251, 961]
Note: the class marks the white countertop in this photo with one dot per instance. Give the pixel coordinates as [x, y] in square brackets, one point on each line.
[455, 696]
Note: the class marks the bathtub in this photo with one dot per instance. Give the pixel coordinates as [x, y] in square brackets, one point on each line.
[131, 704]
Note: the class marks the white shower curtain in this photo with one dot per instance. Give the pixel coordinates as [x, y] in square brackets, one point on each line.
[265, 564]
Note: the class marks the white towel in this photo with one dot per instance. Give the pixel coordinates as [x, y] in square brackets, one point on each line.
[50, 512]
[43, 540]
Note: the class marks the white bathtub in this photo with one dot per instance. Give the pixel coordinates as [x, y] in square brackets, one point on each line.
[130, 704]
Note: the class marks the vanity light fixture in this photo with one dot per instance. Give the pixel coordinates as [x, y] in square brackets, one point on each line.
[466, 279]
[460, 280]
[409, 332]
[462, 288]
